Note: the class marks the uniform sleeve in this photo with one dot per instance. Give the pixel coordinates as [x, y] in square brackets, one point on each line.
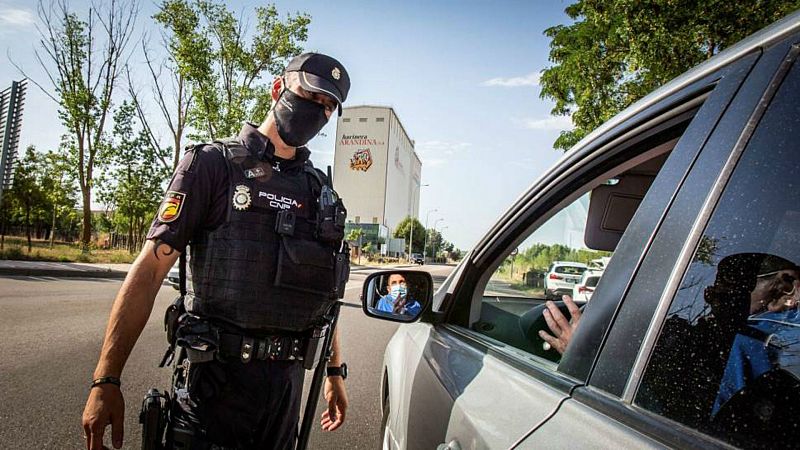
[195, 199]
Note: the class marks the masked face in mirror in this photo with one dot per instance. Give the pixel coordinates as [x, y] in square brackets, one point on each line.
[399, 295]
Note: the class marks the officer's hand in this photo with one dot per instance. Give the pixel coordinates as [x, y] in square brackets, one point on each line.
[105, 406]
[336, 395]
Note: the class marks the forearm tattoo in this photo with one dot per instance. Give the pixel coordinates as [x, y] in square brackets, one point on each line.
[158, 243]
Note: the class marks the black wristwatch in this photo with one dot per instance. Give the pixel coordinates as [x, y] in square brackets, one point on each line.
[333, 371]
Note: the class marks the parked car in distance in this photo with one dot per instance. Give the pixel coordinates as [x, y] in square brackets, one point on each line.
[585, 287]
[417, 258]
[173, 276]
[561, 277]
[691, 337]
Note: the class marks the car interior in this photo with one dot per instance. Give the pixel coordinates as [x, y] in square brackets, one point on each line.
[516, 319]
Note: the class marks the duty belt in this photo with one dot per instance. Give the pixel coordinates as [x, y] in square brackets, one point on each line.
[275, 348]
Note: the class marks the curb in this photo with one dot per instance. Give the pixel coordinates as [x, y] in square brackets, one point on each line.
[62, 273]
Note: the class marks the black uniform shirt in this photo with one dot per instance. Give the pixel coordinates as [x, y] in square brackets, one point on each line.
[197, 197]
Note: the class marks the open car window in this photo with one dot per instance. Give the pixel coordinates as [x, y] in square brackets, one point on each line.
[576, 239]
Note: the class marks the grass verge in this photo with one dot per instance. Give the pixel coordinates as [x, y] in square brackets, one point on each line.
[16, 248]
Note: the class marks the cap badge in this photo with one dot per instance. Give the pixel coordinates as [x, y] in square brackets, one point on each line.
[336, 73]
[241, 198]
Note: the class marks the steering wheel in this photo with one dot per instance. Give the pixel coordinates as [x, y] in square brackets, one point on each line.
[532, 321]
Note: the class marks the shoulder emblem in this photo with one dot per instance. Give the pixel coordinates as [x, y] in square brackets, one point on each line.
[171, 206]
[241, 198]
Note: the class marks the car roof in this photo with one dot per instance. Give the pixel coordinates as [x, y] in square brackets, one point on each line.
[569, 263]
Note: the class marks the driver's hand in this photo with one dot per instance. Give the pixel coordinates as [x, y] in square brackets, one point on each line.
[787, 300]
[561, 328]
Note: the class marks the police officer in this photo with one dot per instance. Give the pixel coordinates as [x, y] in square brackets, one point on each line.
[261, 278]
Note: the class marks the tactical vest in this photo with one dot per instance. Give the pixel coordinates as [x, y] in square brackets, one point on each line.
[246, 275]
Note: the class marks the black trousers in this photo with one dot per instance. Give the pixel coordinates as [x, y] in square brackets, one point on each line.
[235, 405]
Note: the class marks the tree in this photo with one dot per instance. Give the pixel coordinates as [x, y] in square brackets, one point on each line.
[173, 106]
[207, 49]
[132, 183]
[355, 236]
[83, 78]
[26, 192]
[434, 242]
[58, 187]
[616, 52]
[403, 231]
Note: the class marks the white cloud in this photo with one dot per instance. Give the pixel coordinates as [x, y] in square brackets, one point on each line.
[17, 17]
[441, 147]
[557, 123]
[439, 153]
[531, 79]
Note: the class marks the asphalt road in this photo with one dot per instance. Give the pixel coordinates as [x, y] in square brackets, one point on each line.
[51, 330]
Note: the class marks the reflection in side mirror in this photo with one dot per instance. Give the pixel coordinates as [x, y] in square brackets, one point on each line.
[398, 295]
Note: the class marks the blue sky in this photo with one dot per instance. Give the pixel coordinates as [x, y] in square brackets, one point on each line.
[462, 76]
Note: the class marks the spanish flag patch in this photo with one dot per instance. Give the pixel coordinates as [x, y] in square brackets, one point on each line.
[171, 206]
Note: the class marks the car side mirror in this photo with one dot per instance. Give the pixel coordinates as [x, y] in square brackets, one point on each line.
[397, 295]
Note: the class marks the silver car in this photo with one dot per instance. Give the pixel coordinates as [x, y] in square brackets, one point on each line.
[693, 190]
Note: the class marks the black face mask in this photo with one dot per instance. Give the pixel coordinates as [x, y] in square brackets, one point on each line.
[298, 119]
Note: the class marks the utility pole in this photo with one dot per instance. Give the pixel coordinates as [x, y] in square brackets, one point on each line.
[434, 229]
[411, 238]
[11, 102]
[425, 243]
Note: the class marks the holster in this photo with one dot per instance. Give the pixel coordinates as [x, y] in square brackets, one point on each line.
[200, 338]
[315, 347]
[342, 269]
[154, 417]
[172, 318]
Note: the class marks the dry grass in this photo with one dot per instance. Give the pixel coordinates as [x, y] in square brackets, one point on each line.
[16, 248]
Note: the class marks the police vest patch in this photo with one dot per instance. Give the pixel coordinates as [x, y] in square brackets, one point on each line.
[255, 172]
[241, 198]
[171, 206]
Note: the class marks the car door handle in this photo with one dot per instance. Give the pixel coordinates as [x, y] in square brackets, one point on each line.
[452, 445]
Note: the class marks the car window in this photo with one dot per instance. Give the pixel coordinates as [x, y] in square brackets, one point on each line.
[570, 270]
[727, 359]
[552, 260]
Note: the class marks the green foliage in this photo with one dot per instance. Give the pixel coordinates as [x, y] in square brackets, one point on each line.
[616, 52]
[207, 45]
[42, 195]
[132, 184]
[60, 252]
[403, 231]
[539, 257]
[354, 235]
[82, 59]
[368, 248]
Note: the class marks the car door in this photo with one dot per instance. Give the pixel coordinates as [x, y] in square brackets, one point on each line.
[483, 380]
[682, 349]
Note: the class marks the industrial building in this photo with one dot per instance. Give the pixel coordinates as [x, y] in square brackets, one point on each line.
[376, 171]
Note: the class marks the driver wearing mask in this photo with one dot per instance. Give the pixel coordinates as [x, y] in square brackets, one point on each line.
[397, 300]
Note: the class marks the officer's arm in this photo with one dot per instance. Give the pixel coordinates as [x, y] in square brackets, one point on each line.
[133, 305]
[335, 392]
[336, 358]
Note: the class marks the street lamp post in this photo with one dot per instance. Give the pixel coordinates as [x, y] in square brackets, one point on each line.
[411, 238]
[425, 243]
[435, 245]
[434, 229]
